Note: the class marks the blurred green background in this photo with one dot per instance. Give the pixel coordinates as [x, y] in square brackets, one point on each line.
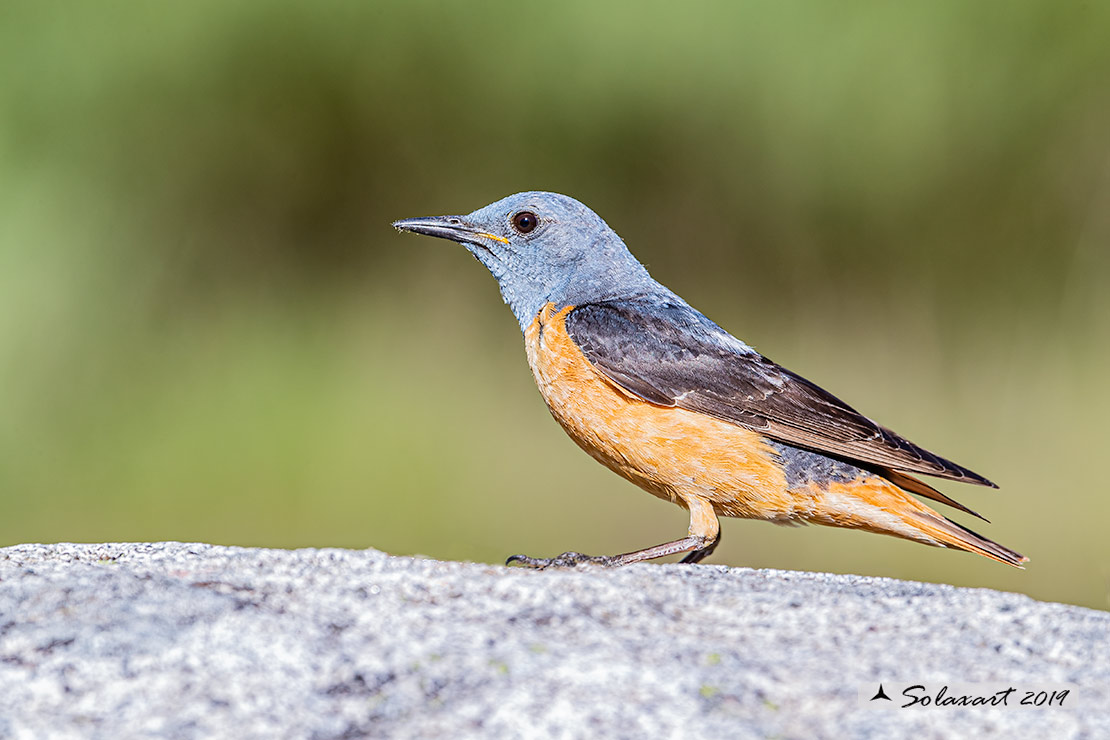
[209, 331]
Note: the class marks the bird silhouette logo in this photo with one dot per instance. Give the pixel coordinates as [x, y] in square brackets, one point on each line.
[881, 694]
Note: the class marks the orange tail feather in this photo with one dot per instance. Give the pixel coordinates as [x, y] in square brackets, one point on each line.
[951, 534]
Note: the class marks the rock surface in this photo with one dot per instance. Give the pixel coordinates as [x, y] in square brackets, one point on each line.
[196, 641]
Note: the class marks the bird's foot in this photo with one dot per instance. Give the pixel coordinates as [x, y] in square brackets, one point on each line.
[566, 560]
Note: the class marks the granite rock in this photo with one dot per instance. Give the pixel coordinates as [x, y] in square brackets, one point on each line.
[170, 640]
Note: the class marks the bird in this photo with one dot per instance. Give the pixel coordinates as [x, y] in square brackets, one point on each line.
[661, 395]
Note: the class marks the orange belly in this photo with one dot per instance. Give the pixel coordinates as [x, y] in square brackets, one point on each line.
[673, 453]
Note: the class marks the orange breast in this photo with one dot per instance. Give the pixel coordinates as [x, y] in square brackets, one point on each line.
[670, 452]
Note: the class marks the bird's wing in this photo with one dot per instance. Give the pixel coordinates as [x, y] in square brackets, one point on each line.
[669, 354]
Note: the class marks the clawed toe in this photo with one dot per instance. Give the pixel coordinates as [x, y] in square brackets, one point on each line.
[525, 561]
[566, 560]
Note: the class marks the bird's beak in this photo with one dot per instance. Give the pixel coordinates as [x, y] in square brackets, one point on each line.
[455, 228]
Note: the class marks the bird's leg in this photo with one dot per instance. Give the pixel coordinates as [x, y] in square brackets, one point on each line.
[696, 556]
[704, 535]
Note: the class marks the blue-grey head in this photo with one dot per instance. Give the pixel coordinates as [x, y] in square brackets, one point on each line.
[544, 247]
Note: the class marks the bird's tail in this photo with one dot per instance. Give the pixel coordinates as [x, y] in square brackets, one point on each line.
[877, 505]
[950, 534]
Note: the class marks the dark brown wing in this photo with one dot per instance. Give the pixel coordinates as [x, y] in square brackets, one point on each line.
[669, 354]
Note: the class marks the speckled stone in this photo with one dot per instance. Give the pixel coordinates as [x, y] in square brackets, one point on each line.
[170, 640]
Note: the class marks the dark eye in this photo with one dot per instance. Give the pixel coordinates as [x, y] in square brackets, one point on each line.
[525, 221]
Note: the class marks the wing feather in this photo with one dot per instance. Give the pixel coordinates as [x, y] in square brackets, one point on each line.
[669, 354]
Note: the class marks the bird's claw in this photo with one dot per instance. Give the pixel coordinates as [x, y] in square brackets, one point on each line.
[566, 560]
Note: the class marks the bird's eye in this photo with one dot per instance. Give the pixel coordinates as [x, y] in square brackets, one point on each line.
[525, 221]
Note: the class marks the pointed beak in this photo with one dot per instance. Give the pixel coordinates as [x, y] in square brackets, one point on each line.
[455, 228]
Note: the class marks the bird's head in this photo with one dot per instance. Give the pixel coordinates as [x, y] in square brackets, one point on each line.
[543, 247]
